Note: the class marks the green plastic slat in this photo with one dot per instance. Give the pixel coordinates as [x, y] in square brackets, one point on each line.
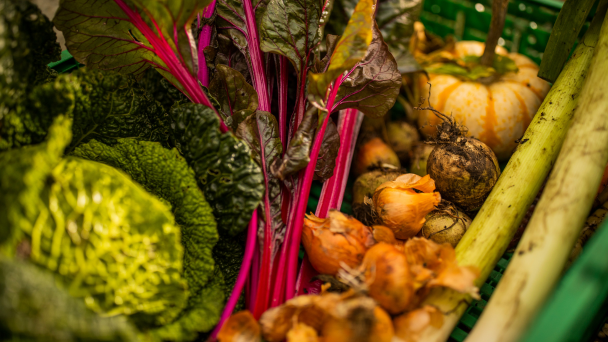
[66, 64]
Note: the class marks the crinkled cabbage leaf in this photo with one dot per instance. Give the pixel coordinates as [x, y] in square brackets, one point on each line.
[107, 239]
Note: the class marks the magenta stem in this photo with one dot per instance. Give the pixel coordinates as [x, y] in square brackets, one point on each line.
[294, 241]
[257, 62]
[333, 190]
[203, 41]
[254, 279]
[164, 51]
[242, 277]
[283, 84]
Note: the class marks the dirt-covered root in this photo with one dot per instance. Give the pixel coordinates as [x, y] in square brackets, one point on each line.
[464, 169]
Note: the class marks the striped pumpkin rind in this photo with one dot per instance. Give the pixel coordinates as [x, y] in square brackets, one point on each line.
[497, 114]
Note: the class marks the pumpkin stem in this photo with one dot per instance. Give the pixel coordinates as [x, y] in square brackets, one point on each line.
[499, 13]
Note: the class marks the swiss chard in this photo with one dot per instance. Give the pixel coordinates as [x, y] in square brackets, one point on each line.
[243, 76]
[132, 36]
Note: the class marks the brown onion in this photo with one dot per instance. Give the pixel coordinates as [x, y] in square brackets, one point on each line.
[388, 277]
[337, 239]
[374, 153]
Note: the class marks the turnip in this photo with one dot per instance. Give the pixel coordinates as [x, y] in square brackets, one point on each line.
[446, 224]
[464, 168]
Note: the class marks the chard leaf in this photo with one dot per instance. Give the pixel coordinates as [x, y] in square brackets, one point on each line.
[297, 155]
[223, 51]
[373, 85]
[230, 179]
[166, 174]
[234, 94]
[261, 132]
[328, 154]
[232, 22]
[232, 12]
[350, 49]
[131, 36]
[396, 22]
[294, 29]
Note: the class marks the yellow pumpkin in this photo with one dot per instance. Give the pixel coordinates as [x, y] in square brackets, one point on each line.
[497, 113]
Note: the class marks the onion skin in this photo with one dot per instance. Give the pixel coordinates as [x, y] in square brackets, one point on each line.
[391, 284]
[364, 186]
[445, 225]
[337, 239]
[465, 171]
[358, 320]
[241, 326]
[374, 153]
[385, 234]
[403, 203]
[402, 137]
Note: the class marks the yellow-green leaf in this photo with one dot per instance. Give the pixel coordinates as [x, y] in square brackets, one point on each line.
[350, 49]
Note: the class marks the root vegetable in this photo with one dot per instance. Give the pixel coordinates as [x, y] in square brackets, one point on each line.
[374, 153]
[311, 310]
[358, 320]
[464, 169]
[445, 224]
[389, 279]
[409, 325]
[402, 204]
[503, 211]
[302, 333]
[420, 156]
[336, 239]
[402, 137]
[385, 234]
[364, 186]
[241, 326]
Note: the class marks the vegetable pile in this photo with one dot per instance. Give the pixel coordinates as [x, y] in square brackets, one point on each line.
[160, 192]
